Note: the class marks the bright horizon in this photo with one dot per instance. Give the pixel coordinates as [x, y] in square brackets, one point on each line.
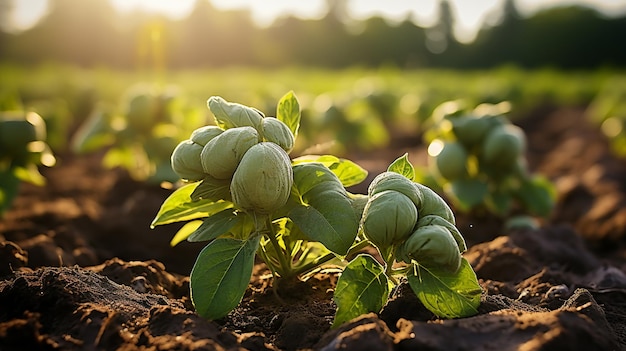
[469, 15]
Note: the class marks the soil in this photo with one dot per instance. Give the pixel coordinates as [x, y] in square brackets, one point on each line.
[80, 268]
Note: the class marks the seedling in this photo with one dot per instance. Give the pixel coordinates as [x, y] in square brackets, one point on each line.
[478, 159]
[414, 231]
[22, 149]
[246, 197]
[140, 135]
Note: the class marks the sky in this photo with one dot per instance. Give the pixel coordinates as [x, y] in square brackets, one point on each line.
[469, 15]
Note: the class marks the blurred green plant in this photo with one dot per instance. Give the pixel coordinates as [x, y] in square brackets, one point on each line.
[477, 158]
[23, 148]
[608, 110]
[141, 134]
[414, 231]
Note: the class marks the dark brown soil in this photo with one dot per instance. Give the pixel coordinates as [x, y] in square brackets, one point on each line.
[81, 270]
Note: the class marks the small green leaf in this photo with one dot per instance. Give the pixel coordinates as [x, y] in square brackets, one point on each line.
[538, 195]
[362, 287]
[468, 193]
[216, 225]
[447, 294]
[212, 189]
[221, 274]
[403, 166]
[325, 214]
[180, 207]
[184, 232]
[288, 112]
[348, 172]
[9, 187]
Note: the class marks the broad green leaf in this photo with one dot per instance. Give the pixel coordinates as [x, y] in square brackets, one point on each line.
[288, 112]
[325, 214]
[221, 274]
[216, 225]
[179, 207]
[348, 172]
[447, 294]
[362, 287]
[184, 232]
[468, 193]
[403, 166]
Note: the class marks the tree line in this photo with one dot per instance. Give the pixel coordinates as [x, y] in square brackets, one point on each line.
[92, 33]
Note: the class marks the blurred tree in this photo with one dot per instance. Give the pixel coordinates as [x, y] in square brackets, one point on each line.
[82, 32]
[209, 37]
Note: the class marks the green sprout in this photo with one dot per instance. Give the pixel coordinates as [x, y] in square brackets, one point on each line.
[246, 197]
[23, 148]
[414, 231]
[140, 135]
[477, 158]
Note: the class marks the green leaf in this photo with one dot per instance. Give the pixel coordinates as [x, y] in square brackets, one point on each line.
[325, 214]
[288, 112]
[9, 187]
[216, 225]
[362, 287]
[447, 294]
[538, 195]
[468, 193]
[180, 207]
[184, 232]
[348, 172]
[212, 189]
[221, 274]
[29, 174]
[403, 166]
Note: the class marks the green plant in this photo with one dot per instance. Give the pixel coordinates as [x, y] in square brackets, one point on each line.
[414, 231]
[477, 158]
[140, 137]
[246, 197]
[22, 149]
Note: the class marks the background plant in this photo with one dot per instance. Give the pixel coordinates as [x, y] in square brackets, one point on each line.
[414, 231]
[23, 149]
[139, 135]
[246, 197]
[477, 158]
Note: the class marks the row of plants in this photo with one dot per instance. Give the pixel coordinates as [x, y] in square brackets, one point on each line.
[246, 197]
[370, 103]
[356, 110]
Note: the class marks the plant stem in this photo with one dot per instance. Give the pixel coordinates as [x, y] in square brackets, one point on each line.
[283, 258]
[329, 256]
[389, 258]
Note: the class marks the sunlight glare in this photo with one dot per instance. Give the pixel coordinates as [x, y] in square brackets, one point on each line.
[170, 8]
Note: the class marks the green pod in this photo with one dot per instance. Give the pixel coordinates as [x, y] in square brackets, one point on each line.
[433, 204]
[221, 155]
[433, 219]
[503, 146]
[388, 218]
[452, 161]
[186, 161]
[232, 115]
[278, 132]
[470, 130]
[262, 182]
[204, 134]
[397, 182]
[431, 246]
